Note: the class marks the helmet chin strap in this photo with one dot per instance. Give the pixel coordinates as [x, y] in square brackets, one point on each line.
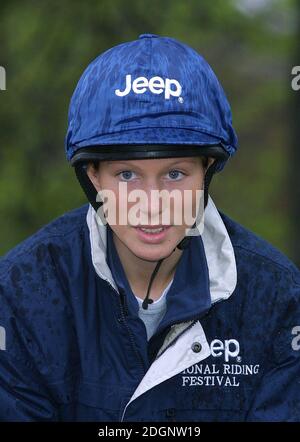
[91, 193]
[184, 243]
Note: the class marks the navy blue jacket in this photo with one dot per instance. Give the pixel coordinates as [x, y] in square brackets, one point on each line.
[72, 346]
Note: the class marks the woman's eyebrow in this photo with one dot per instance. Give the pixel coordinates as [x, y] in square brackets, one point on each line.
[128, 164]
[182, 162]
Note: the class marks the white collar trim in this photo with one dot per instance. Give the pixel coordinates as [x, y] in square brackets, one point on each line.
[217, 245]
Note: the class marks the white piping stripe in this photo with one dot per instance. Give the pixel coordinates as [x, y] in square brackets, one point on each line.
[219, 254]
[98, 247]
[172, 334]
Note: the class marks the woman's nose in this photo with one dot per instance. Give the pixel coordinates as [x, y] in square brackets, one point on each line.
[157, 205]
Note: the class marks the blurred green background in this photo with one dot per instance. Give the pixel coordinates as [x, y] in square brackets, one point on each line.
[252, 46]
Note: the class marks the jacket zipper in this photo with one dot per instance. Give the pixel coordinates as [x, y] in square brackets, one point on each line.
[141, 362]
[139, 358]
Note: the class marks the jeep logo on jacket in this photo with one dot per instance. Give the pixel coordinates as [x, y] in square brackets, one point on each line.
[71, 351]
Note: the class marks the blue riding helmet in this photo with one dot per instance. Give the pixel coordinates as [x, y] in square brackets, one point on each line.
[154, 97]
[149, 98]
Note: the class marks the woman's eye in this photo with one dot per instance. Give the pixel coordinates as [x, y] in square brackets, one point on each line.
[175, 175]
[127, 175]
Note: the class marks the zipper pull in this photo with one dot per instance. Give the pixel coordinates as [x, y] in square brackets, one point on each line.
[123, 301]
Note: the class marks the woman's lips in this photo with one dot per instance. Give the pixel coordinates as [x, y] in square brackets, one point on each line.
[152, 237]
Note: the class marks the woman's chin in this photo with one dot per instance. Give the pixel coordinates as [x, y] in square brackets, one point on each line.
[152, 253]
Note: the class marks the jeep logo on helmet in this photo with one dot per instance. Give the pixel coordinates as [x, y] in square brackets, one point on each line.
[156, 85]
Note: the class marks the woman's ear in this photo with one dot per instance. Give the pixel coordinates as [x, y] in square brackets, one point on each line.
[93, 174]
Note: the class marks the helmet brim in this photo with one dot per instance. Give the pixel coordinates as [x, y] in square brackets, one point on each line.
[131, 152]
[150, 142]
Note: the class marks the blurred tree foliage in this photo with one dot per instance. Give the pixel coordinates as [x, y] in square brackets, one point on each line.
[45, 46]
[294, 162]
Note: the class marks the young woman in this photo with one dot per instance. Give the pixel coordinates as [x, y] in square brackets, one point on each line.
[117, 311]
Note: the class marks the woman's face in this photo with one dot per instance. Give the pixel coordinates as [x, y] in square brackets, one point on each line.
[165, 219]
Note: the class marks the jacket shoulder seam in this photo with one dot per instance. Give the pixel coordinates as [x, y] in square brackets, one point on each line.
[282, 267]
[36, 244]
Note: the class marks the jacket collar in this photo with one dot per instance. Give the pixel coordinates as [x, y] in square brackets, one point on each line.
[218, 249]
